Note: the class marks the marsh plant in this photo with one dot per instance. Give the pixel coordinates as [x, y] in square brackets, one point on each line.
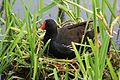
[22, 50]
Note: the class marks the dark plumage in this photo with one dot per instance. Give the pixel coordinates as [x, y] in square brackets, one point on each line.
[60, 44]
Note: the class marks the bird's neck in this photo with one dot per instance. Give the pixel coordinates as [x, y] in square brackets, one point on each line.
[50, 35]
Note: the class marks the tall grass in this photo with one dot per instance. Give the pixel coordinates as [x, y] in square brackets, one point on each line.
[100, 57]
[26, 49]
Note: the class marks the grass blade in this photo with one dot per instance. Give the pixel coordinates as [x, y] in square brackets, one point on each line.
[114, 76]
[55, 74]
[78, 58]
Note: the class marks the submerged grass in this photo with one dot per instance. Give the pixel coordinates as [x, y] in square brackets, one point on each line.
[24, 50]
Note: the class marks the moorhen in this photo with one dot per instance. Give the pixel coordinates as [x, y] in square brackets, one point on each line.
[60, 44]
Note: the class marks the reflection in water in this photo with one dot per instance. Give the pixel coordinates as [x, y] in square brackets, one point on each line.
[61, 14]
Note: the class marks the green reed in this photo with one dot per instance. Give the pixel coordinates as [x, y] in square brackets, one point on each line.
[17, 41]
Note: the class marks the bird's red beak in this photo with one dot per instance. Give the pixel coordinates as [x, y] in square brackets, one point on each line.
[43, 26]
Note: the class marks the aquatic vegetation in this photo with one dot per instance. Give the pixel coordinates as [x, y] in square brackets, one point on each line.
[22, 50]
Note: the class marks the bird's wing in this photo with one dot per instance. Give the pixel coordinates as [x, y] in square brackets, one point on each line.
[61, 50]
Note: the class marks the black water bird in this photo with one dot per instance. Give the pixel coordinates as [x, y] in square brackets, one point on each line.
[60, 44]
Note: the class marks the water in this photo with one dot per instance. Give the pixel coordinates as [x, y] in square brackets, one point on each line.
[18, 8]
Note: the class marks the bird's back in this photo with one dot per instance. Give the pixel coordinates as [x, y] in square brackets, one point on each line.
[73, 33]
